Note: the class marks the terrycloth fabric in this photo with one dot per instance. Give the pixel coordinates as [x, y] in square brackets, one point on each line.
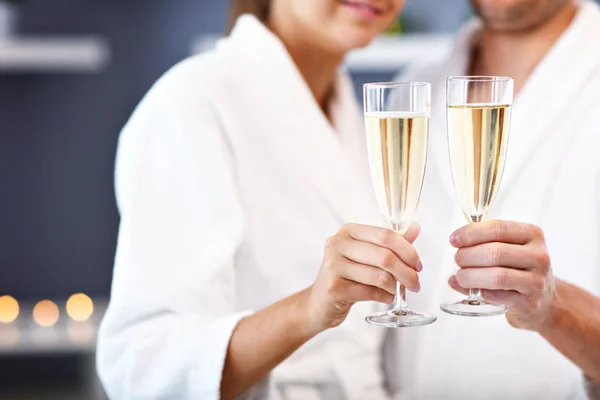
[551, 179]
[229, 180]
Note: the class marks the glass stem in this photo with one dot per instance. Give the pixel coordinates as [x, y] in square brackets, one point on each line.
[400, 299]
[475, 294]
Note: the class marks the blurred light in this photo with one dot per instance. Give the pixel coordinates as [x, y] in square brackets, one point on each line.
[80, 307]
[45, 313]
[9, 309]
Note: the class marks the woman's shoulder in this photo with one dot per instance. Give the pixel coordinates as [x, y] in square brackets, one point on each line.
[181, 102]
[194, 75]
[193, 89]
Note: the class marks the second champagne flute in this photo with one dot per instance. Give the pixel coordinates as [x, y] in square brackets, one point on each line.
[478, 112]
[397, 122]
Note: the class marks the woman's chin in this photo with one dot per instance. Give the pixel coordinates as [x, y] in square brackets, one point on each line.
[358, 42]
[351, 39]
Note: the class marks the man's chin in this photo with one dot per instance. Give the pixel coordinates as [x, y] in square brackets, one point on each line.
[511, 27]
[521, 17]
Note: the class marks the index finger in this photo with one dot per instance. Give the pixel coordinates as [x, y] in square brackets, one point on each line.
[492, 231]
[401, 245]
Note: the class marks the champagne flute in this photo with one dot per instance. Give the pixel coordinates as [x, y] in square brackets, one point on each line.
[478, 113]
[397, 126]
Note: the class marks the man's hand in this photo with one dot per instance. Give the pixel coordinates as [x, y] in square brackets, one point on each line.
[510, 262]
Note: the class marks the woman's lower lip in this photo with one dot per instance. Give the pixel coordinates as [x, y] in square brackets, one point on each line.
[364, 12]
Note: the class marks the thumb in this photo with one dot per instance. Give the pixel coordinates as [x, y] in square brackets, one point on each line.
[413, 232]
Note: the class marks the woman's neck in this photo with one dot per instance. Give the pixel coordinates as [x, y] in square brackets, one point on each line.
[317, 65]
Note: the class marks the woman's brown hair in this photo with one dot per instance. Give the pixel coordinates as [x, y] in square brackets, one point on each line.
[258, 8]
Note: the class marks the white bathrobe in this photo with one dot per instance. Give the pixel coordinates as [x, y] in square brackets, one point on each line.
[229, 180]
[552, 179]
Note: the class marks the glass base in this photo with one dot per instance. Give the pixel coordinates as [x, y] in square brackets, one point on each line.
[478, 307]
[400, 319]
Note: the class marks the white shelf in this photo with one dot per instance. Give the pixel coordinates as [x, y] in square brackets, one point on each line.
[389, 54]
[385, 54]
[53, 54]
[65, 337]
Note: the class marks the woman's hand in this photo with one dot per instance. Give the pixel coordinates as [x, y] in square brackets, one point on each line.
[361, 263]
[509, 260]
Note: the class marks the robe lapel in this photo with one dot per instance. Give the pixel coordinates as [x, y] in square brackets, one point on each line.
[540, 109]
[349, 121]
[561, 77]
[311, 144]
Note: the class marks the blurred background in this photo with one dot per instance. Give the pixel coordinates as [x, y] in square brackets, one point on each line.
[71, 73]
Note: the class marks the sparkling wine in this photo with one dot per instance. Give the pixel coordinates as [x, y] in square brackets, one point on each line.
[397, 146]
[478, 138]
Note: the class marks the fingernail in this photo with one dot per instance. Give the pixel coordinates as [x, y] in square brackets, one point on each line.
[418, 287]
[454, 239]
[419, 266]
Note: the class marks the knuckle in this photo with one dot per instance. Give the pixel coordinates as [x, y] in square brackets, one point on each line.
[543, 258]
[495, 255]
[384, 279]
[387, 238]
[536, 231]
[500, 229]
[332, 242]
[501, 279]
[348, 227]
[387, 259]
[538, 285]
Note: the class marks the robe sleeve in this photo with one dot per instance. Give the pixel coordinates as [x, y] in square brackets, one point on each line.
[173, 304]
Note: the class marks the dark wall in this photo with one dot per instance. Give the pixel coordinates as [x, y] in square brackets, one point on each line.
[58, 133]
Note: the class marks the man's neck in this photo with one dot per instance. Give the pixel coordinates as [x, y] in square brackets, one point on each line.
[517, 54]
